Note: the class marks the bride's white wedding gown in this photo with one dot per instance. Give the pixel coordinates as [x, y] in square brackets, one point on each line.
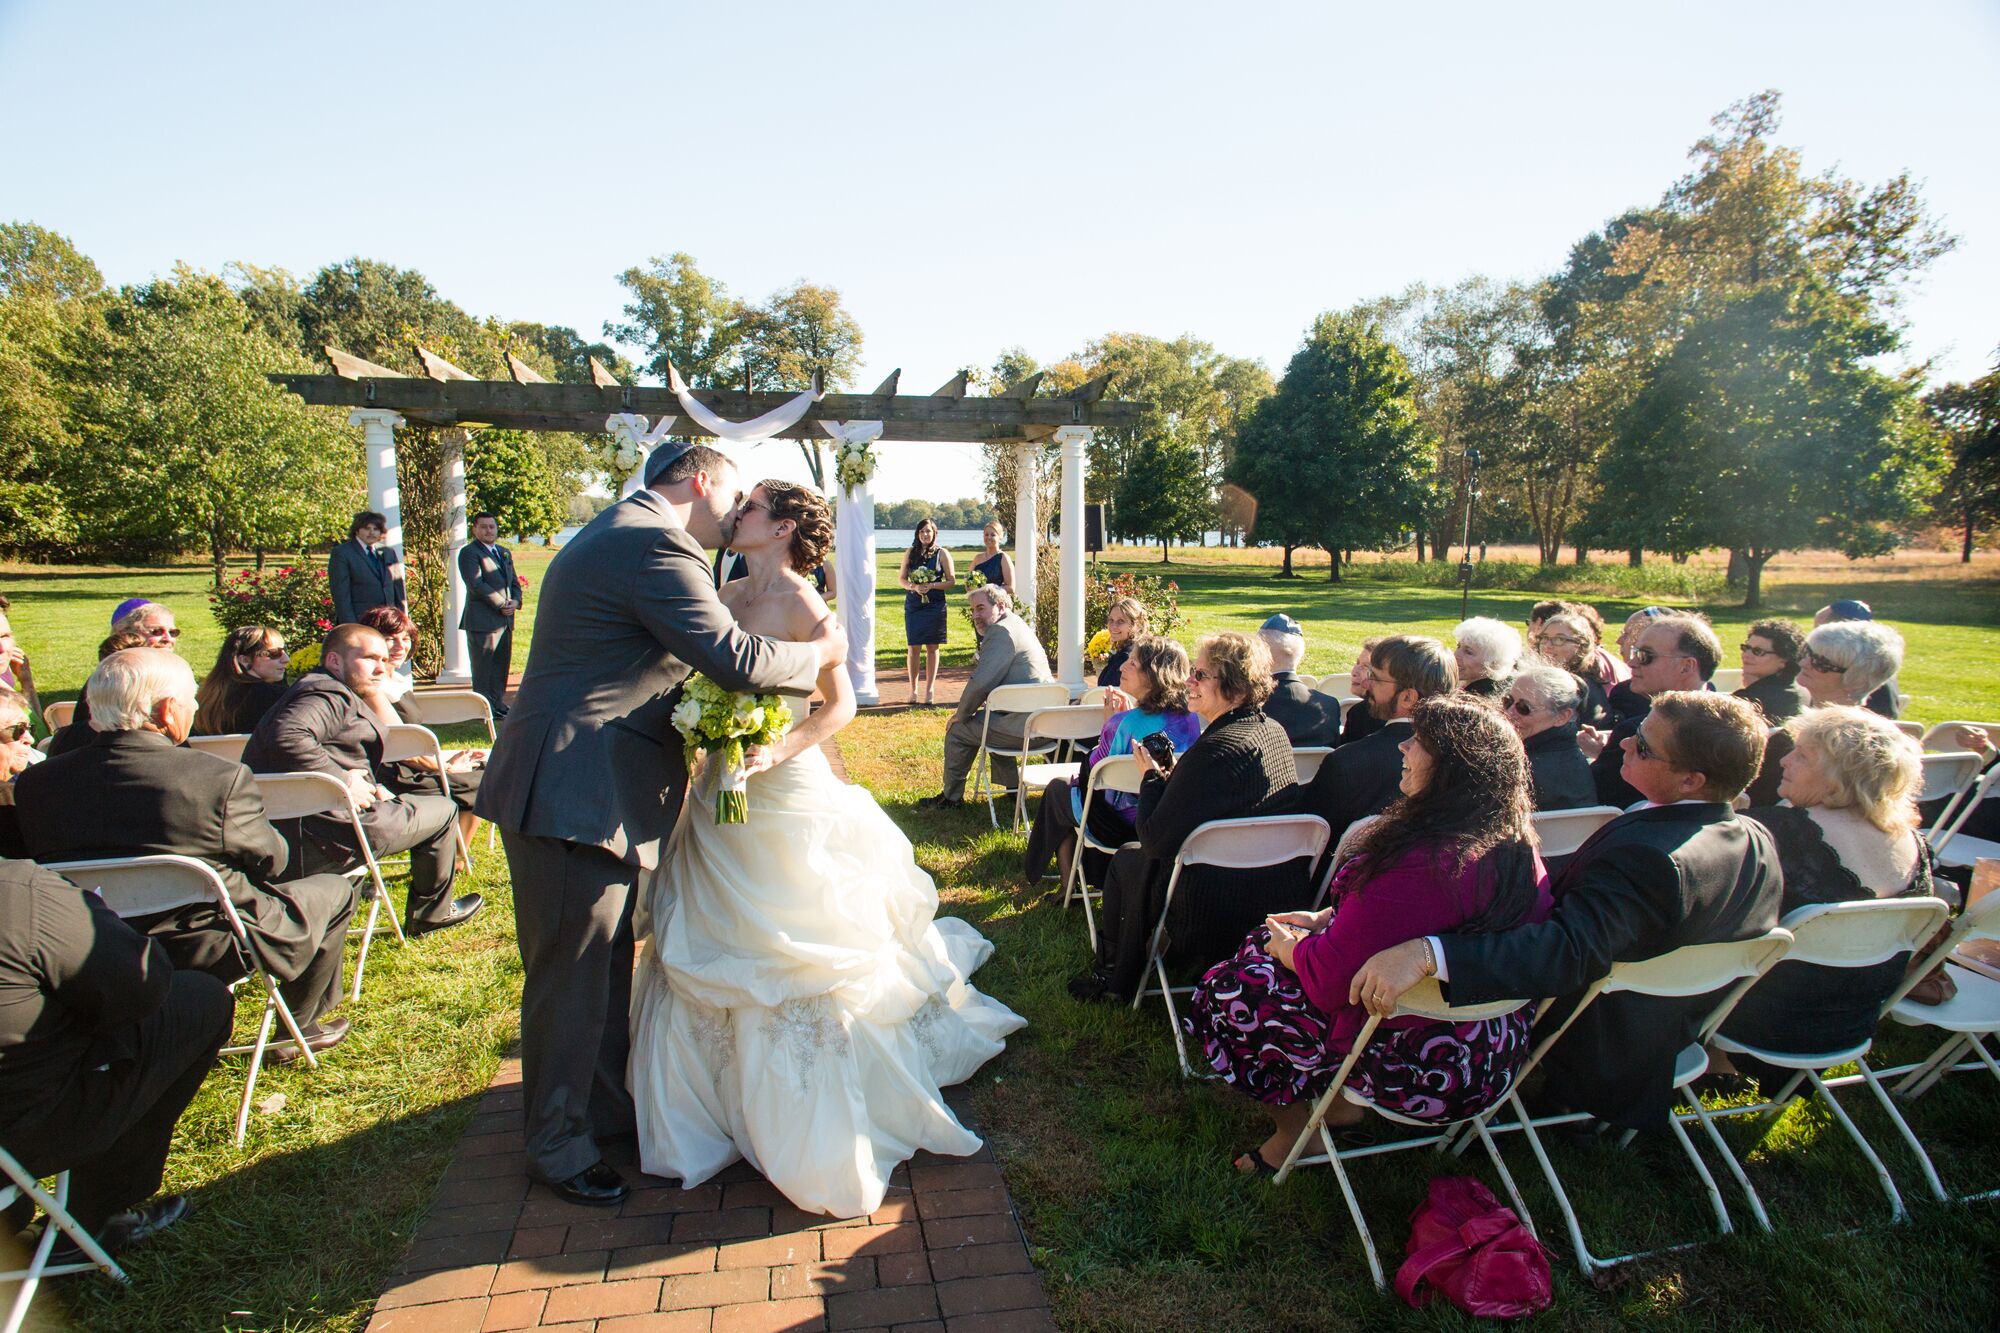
[798, 1003]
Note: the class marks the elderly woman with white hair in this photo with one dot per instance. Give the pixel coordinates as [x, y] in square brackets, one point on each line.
[1541, 704]
[1486, 652]
[1848, 834]
[1843, 664]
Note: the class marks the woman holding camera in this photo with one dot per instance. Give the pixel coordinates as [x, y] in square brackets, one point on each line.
[1241, 767]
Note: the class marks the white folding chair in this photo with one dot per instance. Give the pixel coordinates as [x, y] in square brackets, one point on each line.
[59, 715]
[1228, 844]
[1308, 758]
[1696, 970]
[1115, 772]
[302, 795]
[1065, 726]
[1350, 838]
[1954, 847]
[1094, 696]
[1335, 683]
[15, 1183]
[1727, 680]
[1948, 773]
[139, 886]
[1914, 730]
[409, 740]
[228, 746]
[1423, 1000]
[1943, 735]
[438, 708]
[1008, 700]
[1561, 832]
[1842, 935]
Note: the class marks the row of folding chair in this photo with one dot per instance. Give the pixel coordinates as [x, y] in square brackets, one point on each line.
[16, 1183]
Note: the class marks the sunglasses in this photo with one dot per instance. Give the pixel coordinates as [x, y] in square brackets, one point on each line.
[749, 505]
[1825, 664]
[14, 732]
[1755, 651]
[272, 654]
[155, 632]
[1645, 751]
[1647, 656]
[1199, 677]
[1509, 704]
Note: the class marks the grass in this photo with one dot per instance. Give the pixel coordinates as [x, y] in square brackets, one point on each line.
[1120, 1168]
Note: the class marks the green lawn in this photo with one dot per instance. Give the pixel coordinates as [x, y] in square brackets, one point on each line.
[1120, 1168]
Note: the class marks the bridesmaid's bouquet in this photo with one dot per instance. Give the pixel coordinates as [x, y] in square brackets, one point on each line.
[923, 574]
[975, 580]
[720, 723]
[1099, 646]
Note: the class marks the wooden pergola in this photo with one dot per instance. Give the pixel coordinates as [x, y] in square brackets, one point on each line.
[380, 399]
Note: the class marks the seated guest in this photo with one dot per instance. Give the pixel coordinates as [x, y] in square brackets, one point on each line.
[327, 724]
[1486, 652]
[1359, 780]
[1540, 704]
[1308, 717]
[248, 677]
[1676, 652]
[1152, 695]
[1885, 699]
[78, 733]
[102, 1046]
[131, 792]
[16, 672]
[463, 768]
[1453, 855]
[1359, 722]
[1849, 834]
[1625, 703]
[1771, 650]
[1240, 767]
[17, 751]
[1684, 870]
[154, 621]
[1565, 641]
[1124, 624]
[1843, 662]
[1008, 655]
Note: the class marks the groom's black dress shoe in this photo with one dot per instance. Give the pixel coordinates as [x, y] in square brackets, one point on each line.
[462, 911]
[599, 1184]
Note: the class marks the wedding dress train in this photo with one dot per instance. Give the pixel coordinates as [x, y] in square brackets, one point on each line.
[798, 1004]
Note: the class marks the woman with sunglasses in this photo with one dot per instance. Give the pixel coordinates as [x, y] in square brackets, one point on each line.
[1771, 650]
[248, 677]
[1843, 663]
[1540, 704]
[17, 751]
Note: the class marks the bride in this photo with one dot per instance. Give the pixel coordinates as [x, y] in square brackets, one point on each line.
[798, 1003]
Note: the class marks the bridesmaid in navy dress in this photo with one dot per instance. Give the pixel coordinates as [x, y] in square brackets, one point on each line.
[924, 605]
[993, 564]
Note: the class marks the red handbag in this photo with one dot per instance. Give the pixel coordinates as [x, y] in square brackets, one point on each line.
[1466, 1244]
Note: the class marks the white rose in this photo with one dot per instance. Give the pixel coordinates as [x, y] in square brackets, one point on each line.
[688, 716]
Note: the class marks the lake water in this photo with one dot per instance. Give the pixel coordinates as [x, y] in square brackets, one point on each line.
[887, 539]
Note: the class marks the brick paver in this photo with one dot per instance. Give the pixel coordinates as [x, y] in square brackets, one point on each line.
[943, 1254]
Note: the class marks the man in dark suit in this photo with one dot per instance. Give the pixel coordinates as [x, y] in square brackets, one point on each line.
[1684, 870]
[102, 1046]
[588, 779]
[1308, 717]
[1362, 777]
[132, 792]
[331, 722]
[492, 596]
[361, 575]
[1674, 652]
[1009, 654]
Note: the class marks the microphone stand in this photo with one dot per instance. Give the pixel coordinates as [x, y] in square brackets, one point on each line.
[1465, 540]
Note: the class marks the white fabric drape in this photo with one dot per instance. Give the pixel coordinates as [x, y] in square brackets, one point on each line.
[630, 428]
[854, 562]
[741, 432]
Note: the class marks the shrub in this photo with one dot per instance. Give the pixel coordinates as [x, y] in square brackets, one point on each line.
[294, 600]
[1102, 587]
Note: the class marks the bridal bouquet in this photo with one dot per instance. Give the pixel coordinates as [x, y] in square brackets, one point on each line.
[720, 723]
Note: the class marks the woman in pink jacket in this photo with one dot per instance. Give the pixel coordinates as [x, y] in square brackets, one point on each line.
[1455, 854]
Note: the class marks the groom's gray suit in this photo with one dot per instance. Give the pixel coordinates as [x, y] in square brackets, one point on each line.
[585, 783]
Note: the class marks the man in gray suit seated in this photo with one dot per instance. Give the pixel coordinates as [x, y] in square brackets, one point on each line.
[1008, 655]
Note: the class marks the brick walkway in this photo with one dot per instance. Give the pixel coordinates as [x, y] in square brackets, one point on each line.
[943, 1254]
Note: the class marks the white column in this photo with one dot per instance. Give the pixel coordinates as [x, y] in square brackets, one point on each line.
[456, 669]
[1026, 525]
[378, 441]
[854, 586]
[1075, 440]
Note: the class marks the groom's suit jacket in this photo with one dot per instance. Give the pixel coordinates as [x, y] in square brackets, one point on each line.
[589, 753]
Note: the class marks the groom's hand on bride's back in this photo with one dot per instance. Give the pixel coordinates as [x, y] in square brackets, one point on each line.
[831, 641]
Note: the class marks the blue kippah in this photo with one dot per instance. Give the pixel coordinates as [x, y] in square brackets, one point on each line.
[1283, 623]
[1849, 608]
[126, 607]
[663, 456]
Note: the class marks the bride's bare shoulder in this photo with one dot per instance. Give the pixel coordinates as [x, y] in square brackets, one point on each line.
[805, 608]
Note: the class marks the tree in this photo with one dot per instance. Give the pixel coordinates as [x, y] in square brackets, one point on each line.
[1164, 493]
[37, 261]
[506, 475]
[1766, 430]
[1969, 416]
[1338, 456]
[678, 313]
[183, 442]
[567, 354]
[801, 332]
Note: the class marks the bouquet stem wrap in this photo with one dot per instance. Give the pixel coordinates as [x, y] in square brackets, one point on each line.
[732, 788]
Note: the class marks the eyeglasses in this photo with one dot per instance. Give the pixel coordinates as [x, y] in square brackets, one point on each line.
[1755, 651]
[14, 732]
[1820, 662]
[1647, 656]
[1561, 638]
[1509, 704]
[1199, 677]
[749, 505]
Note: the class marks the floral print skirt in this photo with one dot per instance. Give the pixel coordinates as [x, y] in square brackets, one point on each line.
[1258, 1030]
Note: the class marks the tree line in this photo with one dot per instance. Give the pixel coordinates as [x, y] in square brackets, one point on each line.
[964, 513]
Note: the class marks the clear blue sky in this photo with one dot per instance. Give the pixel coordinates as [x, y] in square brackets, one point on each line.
[969, 177]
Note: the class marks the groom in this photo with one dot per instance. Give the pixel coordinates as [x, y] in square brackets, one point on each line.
[587, 779]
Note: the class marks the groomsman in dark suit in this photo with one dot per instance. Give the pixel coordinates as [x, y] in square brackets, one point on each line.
[492, 597]
[361, 575]
[1361, 778]
[1685, 869]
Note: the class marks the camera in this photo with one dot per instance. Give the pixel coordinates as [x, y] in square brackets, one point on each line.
[1160, 748]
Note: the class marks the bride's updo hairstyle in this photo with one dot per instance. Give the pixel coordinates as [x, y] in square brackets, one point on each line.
[812, 522]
